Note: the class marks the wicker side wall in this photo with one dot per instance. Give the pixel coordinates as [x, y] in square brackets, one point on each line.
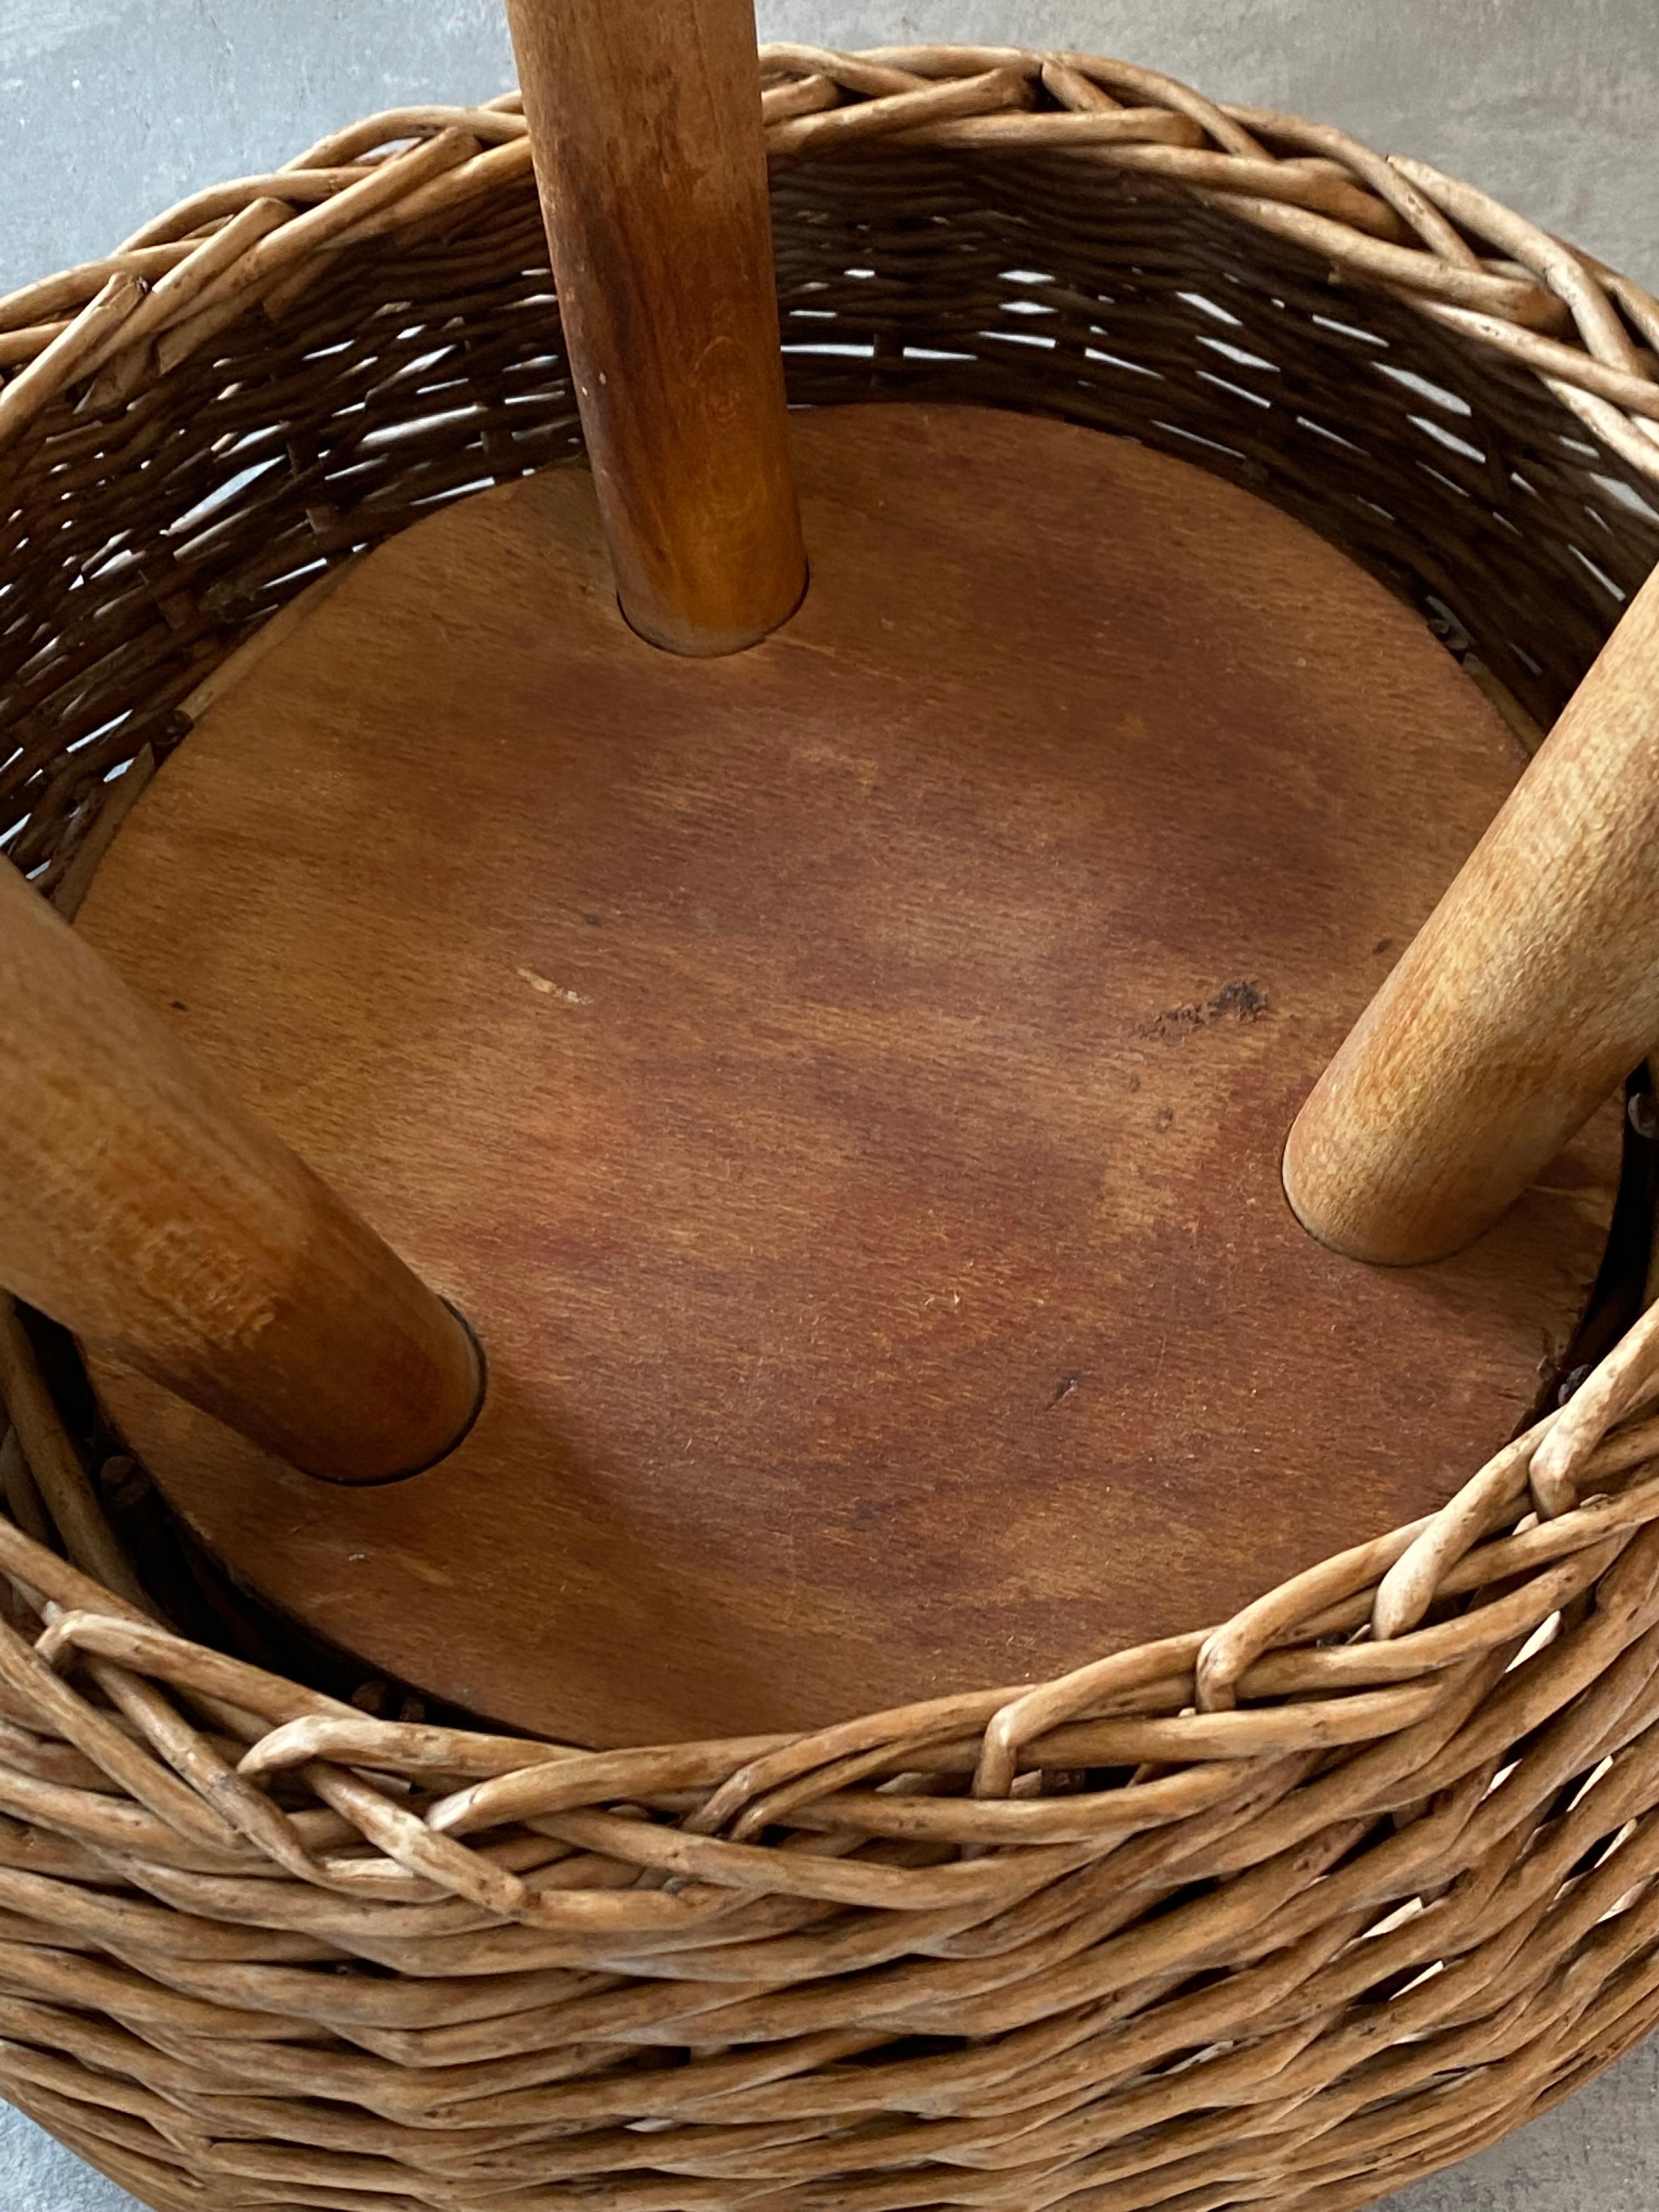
[1288, 1911]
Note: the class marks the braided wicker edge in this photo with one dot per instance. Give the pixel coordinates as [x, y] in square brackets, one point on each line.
[1335, 1658]
[1454, 253]
[167, 1757]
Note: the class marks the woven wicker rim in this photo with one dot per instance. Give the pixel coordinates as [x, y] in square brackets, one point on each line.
[1483, 1681]
[1392, 222]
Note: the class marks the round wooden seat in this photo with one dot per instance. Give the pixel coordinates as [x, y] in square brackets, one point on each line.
[843, 1084]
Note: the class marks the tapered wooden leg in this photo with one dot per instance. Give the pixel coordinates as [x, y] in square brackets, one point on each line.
[1530, 992]
[142, 1206]
[646, 129]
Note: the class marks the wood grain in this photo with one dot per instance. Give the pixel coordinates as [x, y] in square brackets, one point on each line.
[1532, 989]
[846, 1082]
[645, 123]
[144, 1208]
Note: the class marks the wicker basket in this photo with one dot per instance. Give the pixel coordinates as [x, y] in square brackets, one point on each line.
[1290, 1912]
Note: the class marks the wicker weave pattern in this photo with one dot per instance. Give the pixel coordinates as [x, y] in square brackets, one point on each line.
[287, 368]
[181, 279]
[1287, 1912]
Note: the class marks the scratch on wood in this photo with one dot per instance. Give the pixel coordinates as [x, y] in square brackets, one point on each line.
[550, 989]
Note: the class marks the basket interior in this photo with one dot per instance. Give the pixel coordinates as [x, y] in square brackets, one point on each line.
[141, 547]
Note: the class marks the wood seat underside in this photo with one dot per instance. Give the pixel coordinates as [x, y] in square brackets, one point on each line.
[843, 1084]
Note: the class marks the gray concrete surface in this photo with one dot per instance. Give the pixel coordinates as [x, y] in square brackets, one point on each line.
[111, 109]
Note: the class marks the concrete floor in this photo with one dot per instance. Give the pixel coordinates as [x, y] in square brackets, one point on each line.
[111, 109]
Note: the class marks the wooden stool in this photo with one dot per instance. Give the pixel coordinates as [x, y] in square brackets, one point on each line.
[842, 1085]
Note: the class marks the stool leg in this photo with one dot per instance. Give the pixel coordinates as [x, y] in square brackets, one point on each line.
[142, 1206]
[1530, 994]
[645, 123]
